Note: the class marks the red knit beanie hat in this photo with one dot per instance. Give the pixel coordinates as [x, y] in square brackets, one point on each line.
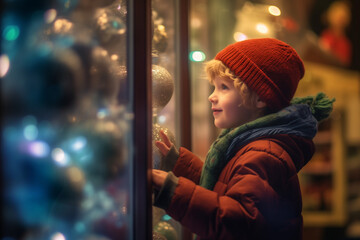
[268, 66]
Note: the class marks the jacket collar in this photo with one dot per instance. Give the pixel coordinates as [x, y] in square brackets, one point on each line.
[294, 120]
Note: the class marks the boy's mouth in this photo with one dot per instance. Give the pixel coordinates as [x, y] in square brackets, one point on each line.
[216, 110]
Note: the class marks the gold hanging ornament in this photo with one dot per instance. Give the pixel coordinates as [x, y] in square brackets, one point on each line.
[163, 87]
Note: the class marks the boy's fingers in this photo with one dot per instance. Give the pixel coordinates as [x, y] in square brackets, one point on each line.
[165, 138]
[158, 178]
[164, 149]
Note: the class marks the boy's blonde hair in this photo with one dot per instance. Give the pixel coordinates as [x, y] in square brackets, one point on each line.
[215, 68]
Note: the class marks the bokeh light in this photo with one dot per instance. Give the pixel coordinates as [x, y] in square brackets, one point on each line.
[102, 113]
[238, 36]
[62, 26]
[50, 15]
[60, 157]
[166, 217]
[274, 10]
[124, 210]
[196, 22]
[114, 57]
[162, 119]
[11, 32]
[197, 56]
[57, 236]
[76, 176]
[31, 132]
[262, 28]
[4, 65]
[39, 149]
[79, 143]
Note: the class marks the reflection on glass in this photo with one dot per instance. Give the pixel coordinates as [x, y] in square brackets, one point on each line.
[65, 127]
[163, 101]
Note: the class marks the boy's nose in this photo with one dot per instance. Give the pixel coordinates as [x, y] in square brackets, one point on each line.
[212, 98]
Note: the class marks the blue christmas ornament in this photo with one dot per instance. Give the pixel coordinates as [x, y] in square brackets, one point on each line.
[49, 80]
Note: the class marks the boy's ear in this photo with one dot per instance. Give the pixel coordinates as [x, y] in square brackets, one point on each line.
[260, 103]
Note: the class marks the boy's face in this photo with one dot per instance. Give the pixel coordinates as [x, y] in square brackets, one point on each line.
[227, 105]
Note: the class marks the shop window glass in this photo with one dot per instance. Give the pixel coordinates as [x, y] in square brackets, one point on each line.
[66, 121]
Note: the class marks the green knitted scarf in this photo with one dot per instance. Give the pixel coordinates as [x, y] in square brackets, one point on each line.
[320, 106]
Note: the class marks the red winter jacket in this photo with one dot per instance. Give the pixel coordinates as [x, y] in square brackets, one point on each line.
[257, 195]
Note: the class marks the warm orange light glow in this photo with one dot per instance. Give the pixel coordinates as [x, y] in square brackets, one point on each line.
[274, 10]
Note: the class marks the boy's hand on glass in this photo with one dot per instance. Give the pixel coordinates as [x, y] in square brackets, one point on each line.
[158, 178]
[164, 145]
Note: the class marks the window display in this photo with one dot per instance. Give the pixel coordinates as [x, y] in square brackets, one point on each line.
[66, 145]
[164, 82]
[74, 128]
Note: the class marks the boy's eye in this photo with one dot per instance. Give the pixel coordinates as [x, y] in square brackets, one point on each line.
[224, 87]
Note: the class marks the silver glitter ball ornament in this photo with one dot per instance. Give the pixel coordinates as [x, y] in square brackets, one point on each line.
[163, 87]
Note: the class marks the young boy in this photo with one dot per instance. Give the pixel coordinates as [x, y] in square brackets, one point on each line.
[248, 187]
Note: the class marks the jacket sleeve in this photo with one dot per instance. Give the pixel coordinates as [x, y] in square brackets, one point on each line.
[185, 164]
[188, 166]
[238, 213]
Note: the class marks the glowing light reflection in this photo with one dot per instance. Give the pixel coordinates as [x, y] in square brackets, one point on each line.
[58, 236]
[114, 57]
[50, 15]
[102, 113]
[11, 32]
[161, 27]
[75, 175]
[124, 210]
[4, 65]
[39, 149]
[31, 132]
[262, 28]
[110, 127]
[162, 119]
[79, 143]
[274, 10]
[60, 157]
[197, 56]
[166, 217]
[196, 22]
[62, 26]
[238, 36]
